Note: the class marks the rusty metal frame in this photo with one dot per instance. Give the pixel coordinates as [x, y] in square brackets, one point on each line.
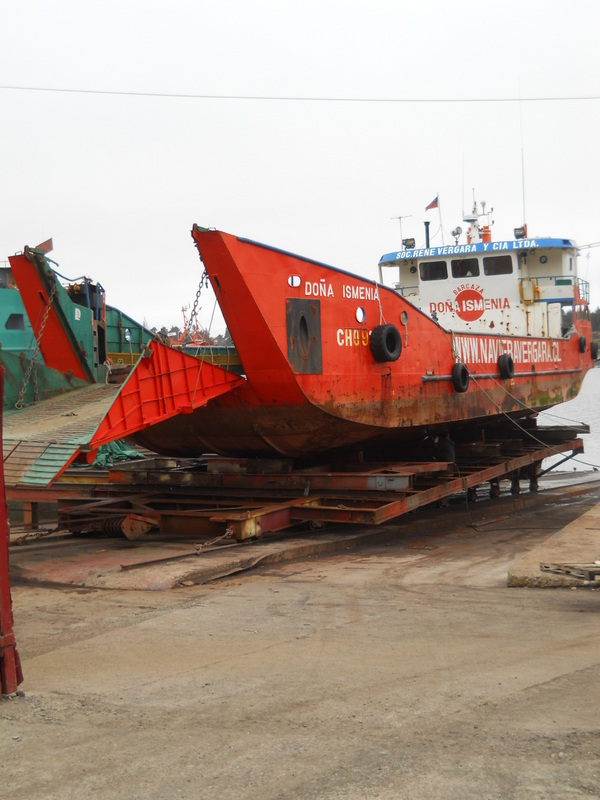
[237, 497]
[387, 511]
[11, 674]
[584, 572]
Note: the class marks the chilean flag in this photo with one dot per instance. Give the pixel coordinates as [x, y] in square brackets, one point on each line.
[433, 204]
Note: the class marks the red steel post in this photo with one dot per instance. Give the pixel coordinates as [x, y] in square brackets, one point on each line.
[11, 674]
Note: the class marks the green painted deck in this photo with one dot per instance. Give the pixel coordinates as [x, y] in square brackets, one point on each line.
[39, 441]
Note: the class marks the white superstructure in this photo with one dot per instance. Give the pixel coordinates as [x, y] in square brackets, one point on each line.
[519, 287]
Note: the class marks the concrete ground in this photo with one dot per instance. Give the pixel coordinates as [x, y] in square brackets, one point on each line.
[397, 665]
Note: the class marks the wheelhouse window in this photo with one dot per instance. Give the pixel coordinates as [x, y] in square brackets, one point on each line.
[6, 279]
[566, 317]
[465, 267]
[15, 322]
[497, 265]
[433, 271]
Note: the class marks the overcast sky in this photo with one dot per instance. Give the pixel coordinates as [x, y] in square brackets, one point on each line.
[118, 178]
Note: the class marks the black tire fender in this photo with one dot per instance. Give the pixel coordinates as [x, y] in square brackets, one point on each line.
[460, 377]
[594, 351]
[582, 344]
[385, 343]
[506, 366]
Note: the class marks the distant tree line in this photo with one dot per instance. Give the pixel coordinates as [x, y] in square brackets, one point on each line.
[224, 339]
[175, 333]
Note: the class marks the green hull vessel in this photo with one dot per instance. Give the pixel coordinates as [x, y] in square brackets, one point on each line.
[108, 341]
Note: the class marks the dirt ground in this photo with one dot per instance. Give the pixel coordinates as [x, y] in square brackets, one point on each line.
[404, 669]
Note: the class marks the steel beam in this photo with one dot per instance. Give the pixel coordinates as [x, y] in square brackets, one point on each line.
[249, 498]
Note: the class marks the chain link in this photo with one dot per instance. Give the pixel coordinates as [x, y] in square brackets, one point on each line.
[204, 284]
[34, 380]
[227, 535]
[31, 371]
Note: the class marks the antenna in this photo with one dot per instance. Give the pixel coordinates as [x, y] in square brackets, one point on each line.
[462, 192]
[405, 216]
[522, 156]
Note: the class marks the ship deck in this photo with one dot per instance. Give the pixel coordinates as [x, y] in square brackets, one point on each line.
[40, 440]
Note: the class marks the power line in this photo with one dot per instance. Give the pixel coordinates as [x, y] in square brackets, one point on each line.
[303, 99]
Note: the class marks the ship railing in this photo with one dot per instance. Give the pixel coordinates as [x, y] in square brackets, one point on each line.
[553, 280]
[552, 287]
[407, 291]
[584, 290]
[545, 289]
[555, 287]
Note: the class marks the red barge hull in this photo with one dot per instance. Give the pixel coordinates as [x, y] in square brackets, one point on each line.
[314, 381]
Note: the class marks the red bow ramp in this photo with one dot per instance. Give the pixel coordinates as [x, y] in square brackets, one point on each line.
[40, 441]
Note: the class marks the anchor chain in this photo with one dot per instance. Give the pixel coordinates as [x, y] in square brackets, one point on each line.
[204, 284]
[31, 371]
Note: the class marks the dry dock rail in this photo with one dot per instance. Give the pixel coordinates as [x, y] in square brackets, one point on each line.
[243, 498]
